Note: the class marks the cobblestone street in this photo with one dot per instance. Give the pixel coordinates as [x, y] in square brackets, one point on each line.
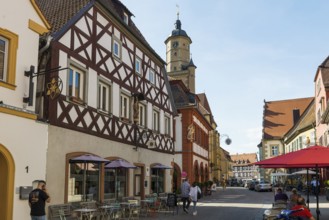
[236, 203]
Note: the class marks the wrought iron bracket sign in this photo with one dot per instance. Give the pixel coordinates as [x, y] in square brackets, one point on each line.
[54, 88]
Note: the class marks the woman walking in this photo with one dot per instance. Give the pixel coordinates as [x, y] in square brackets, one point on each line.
[194, 196]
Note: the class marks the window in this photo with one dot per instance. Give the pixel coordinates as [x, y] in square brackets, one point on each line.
[115, 183]
[125, 18]
[125, 106]
[155, 120]
[142, 115]
[151, 76]
[3, 58]
[104, 98]
[275, 150]
[138, 65]
[81, 188]
[76, 84]
[8, 53]
[116, 48]
[167, 125]
[157, 180]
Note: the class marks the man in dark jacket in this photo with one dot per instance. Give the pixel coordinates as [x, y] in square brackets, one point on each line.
[280, 196]
[37, 201]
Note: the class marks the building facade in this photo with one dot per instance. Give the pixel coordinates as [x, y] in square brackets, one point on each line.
[243, 167]
[199, 139]
[111, 99]
[278, 118]
[23, 140]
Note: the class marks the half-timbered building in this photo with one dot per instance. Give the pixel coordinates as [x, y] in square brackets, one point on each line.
[105, 93]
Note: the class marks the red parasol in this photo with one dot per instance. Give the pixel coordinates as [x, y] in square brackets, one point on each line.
[311, 157]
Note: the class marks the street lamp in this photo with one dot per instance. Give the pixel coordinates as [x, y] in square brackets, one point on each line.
[228, 140]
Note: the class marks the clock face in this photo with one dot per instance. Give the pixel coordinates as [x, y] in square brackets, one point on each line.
[175, 44]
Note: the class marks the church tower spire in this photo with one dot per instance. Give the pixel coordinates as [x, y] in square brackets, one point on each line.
[179, 63]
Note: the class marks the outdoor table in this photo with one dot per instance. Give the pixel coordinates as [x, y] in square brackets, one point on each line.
[145, 203]
[85, 212]
[125, 209]
[273, 215]
[104, 210]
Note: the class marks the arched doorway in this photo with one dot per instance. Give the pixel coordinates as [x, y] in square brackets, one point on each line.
[196, 171]
[202, 173]
[7, 173]
[207, 172]
[176, 180]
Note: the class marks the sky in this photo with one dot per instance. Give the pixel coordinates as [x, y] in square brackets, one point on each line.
[246, 51]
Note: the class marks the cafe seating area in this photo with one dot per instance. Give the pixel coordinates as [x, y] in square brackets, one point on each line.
[123, 208]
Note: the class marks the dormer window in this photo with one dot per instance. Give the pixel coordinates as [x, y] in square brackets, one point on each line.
[125, 18]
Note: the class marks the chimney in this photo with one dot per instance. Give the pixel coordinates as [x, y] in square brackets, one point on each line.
[295, 115]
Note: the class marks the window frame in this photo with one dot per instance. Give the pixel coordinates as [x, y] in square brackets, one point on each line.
[10, 74]
[151, 73]
[5, 53]
[117, 54]
[125, 18]
[100, 95]
[76, 68]
[126, 109]
[138, 69]
[272, 150]
[155, 120]
[142, 115]
[167, 125]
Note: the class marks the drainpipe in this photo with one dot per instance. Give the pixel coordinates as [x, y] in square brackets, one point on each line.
[44, 48]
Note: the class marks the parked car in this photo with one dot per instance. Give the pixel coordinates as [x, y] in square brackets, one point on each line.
[263, 186]
[251, 185]
[234, 182]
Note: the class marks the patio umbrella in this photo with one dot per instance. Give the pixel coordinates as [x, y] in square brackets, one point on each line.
[158, 167]
[302, 172]
[280, 174]
[87, 158]
[311, 157]
[118, 163]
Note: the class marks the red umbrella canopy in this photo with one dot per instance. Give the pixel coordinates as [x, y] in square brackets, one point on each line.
[306, 158]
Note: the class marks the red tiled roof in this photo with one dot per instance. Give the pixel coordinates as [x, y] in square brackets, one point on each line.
[58, 13]
[278, 116]
[248, 158]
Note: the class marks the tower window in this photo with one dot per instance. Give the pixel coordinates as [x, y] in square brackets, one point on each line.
[125, 18]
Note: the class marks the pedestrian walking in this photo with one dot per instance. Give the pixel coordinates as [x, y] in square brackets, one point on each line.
[194, 196]
[37, 201]
[315, 186]
[185, 189]
[224, 184]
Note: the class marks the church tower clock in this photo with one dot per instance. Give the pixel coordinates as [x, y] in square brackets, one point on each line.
[179, 63]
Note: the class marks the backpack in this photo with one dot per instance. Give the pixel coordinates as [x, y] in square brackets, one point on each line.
[199, 193]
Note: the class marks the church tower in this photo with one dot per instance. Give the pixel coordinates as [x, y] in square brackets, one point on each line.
[180, 65]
